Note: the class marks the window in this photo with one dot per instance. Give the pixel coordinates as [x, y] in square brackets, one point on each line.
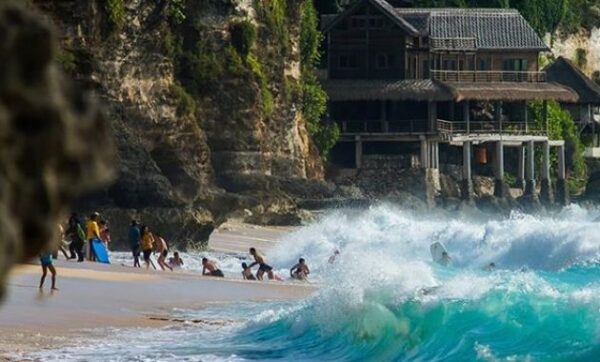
[384, 61]
[348, 61]
[485, 64]
[426, 69]
[515, 65]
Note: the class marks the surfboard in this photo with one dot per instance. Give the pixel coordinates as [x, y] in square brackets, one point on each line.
[100, 251]
[437, 250]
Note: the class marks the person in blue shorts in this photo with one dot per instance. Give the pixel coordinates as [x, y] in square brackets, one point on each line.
[46, 261]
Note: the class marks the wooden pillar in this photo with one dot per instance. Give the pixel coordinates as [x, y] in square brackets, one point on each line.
[530, 170]
[384, 117]
[545, 116]
[467, 181]
[546, 187]
[526, 116]
[562, 174]
[432, 115]
[358, 151]
[467, 116]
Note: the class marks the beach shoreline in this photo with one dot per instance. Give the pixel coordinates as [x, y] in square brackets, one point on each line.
[95, 296]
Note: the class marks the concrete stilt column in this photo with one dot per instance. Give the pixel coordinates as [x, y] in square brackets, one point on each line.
[436, 155]
[521, 168]
[562, 189]
[358, 151]
[546, 195]
[424, 154]
[500, 187]
[529, 170]
[467, 180]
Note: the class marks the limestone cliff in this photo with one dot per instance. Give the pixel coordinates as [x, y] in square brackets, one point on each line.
[201, 131]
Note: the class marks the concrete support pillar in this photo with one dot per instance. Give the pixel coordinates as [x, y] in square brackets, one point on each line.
[521, 168]
[424, 153]
[467, 179]
[545, 115]
[529, 170]
[436, 155]
[358, 151]
[562, 189]
[500, 187]
[546, 195]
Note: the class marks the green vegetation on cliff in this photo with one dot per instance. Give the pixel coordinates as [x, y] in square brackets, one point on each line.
[116, 13]
[562, 127]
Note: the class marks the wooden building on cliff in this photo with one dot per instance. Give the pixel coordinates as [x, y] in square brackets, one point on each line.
[407, 82]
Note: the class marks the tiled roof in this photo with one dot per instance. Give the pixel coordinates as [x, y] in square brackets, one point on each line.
[459, 29]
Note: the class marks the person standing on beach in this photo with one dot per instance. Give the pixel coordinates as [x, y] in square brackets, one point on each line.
[147, 244]
[263, 267]
[46, 261]
[92, 233]
[212, 268]
[77, 236]
[105, 233]
[163, 250]
[135, 238]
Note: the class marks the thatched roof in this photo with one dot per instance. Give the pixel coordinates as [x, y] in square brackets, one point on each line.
[564, 72]
[511, 91]
[391, 90]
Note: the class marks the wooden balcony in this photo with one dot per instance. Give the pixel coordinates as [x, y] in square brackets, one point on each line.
[487, 76]
[451, 128]
[412, 126]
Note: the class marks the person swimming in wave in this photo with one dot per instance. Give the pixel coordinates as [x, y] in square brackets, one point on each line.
[247, 272]
[446, 259]
[332, 258]
[300, 271]
[212, 268]
[175, 262]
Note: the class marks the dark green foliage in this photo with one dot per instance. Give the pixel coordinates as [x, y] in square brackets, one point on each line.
[115, 9]
[273, 14]
[185, 103]
[243, 36]
[176, 10]
[202, 69]
[596, 77]
[67, 60]
[268, 102]
[314, 98]
[581, 58]
[562, 127]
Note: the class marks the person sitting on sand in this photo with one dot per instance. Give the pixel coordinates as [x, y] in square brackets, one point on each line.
[46, 261]
[263, 267]
[163, 250]
[211, 266]
[147, 244]
[175, 262]
[135, 238]
[300, 271]
[247, 272]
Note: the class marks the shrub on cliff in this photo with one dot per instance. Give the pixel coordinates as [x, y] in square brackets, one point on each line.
[243, 36]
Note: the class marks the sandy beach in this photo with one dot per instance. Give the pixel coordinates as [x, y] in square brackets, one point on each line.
[93, 295]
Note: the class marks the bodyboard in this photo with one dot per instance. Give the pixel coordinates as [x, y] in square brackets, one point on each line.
[100, 251]
[437, 250]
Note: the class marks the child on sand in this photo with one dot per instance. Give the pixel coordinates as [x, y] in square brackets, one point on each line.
[247, 272]
[46, 261]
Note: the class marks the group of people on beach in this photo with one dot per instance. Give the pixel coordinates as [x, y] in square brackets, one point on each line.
[77, 238]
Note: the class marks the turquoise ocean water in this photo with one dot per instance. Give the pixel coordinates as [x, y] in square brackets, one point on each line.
[384, 300]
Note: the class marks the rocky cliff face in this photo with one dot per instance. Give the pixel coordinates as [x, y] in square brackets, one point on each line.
[193, 145]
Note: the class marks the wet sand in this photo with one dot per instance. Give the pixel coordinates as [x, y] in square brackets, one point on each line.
[94, 295]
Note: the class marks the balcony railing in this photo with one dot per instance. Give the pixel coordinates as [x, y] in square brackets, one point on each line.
[487, 76]
[511, 128]
[394, 126]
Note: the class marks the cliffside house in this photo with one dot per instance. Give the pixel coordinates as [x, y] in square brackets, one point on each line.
[586, 111]
[406, 83]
